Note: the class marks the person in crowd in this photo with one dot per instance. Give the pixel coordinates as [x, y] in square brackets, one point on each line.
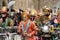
[17, 16]
[26, 27]
[35, 18]
[47, 15]
[5, 18]
[57, 19]
[55, 22]
[38, 20]
[33, 14]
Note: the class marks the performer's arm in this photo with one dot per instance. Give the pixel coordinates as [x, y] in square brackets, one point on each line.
[33, 28]
[19, 29]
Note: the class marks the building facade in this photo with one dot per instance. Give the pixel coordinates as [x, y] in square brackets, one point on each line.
[37, 4]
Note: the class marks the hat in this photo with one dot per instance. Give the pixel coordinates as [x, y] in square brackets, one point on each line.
[33, 12]
[46, 9]
[4, 10]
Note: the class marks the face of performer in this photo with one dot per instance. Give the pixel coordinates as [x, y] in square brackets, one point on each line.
[46, 12]
[32, 17]
[25, 18]
[4, 12]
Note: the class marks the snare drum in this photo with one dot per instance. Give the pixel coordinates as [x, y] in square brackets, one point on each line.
[45, 29]
[17, 37]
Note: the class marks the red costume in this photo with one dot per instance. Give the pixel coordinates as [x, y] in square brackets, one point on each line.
[31, 29]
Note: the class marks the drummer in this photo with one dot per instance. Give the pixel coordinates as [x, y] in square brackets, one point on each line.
[33, 14]
[27, 31]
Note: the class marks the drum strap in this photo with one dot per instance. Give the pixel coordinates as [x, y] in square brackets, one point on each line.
[23, 28]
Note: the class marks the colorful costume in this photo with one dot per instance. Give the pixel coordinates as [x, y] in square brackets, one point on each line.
[31, 30]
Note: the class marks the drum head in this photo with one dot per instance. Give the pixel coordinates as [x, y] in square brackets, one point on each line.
[45, 29]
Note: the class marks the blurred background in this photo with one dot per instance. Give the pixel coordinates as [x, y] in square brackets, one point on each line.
[37, 4]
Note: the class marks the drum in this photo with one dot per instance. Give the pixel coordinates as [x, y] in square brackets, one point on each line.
[11, 29]
[45, 29]
[2, 36]
[10, 36]
[11, 32]
[17, 37]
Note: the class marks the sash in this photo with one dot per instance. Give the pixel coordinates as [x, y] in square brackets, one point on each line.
[25, 29]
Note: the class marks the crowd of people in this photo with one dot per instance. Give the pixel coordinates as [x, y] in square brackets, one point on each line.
[29, 21]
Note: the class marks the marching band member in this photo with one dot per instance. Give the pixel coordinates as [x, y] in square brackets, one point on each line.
[47, 14]
[26, 27]
[57, 19]
[5, 18]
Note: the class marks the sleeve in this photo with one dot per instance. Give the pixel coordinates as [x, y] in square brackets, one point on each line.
[19, 27]
[55, 23]
[33, 28]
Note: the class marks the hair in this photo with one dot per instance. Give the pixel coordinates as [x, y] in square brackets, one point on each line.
[26, 14]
